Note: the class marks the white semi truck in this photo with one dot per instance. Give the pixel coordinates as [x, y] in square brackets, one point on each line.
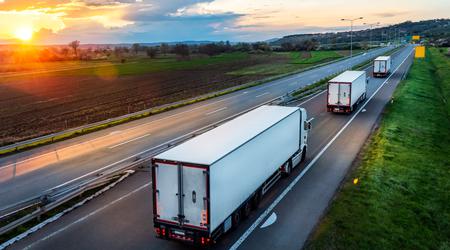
[346, 91]
[382, 66]
[203, 187]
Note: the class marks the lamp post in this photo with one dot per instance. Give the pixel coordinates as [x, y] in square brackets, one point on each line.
[351, 32]
[370, 31]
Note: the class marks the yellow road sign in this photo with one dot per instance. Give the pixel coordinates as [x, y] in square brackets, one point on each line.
[416, 38]
[420, 52]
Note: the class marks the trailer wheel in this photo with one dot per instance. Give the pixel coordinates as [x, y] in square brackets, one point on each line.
[247, 209]
[236, 218]
[287, 169]
[303, 155]
[256, 200]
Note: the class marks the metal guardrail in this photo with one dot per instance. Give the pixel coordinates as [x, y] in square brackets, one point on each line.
[57, 196]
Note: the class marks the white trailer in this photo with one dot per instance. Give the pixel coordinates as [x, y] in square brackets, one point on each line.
[382, 66]
[203, 187]
[346, 91]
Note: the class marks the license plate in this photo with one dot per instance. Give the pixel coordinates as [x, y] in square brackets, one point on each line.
[178, 232]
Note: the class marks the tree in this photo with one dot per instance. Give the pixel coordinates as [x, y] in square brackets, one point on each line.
[136, 48]
[164, 48]
[152, 52]
[65, 52]
[181, 50]
[287, 46]
[74, 45]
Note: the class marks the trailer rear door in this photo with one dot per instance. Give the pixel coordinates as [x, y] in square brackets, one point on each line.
[376, 66]
[189, 208]
[344, 94]
[339, 94]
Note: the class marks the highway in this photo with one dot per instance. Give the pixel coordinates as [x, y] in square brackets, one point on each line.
[30, 173]
[122, 217]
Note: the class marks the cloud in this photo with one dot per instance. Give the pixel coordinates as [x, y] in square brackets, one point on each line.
[391, 14]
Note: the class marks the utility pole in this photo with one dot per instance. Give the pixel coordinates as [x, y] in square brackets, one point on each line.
[351, 32]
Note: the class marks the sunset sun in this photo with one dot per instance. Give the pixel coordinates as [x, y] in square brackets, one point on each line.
[24, 33]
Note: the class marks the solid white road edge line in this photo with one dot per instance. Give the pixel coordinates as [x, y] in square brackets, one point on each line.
[316, 158]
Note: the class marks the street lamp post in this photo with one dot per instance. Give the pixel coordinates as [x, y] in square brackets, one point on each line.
[351, 32]
[370, 31]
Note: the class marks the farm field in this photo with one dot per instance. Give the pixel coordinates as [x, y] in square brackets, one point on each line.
[64, 96]
[401, 199]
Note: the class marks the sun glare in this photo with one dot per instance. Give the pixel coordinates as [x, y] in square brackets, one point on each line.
[24, 33]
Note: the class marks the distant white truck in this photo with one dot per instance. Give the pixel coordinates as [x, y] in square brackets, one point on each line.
[346, 91]
[205, 186]
[382, 66]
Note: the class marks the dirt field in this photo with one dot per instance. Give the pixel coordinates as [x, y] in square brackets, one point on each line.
[40, 105]
[35, 105]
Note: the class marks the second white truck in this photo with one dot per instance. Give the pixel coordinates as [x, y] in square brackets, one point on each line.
[205, 186]
[382, 66]
[346, 91]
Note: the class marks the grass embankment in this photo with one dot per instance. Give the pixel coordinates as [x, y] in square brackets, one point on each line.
[402, 199]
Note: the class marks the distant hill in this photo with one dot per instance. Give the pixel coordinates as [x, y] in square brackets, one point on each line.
[429, 29]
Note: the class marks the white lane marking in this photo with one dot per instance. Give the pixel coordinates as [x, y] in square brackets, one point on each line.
[316, 158]
[272, 218]
[263, 94]
[115, 132]
[245, 92]
[87, 216]
[125, 142]
[364, 110]
[310, 120]
[215, 111]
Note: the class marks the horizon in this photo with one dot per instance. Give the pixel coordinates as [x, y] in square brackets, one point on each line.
[54, 22]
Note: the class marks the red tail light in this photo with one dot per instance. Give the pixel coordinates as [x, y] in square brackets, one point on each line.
[157, 231]
[163, 231]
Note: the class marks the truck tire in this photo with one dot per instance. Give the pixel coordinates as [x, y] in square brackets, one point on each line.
[256, 200]
[287, 169]
[236, 219]
[247, 209]
[303, 155]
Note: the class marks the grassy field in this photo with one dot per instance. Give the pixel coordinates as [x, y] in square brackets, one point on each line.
[402, 198]
[294, 61]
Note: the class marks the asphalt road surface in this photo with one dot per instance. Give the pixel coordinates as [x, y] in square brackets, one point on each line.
[30, 173]
[122, 217]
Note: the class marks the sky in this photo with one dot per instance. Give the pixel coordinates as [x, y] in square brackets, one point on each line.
[129, 21]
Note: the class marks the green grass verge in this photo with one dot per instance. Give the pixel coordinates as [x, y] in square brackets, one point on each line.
[402, 199]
